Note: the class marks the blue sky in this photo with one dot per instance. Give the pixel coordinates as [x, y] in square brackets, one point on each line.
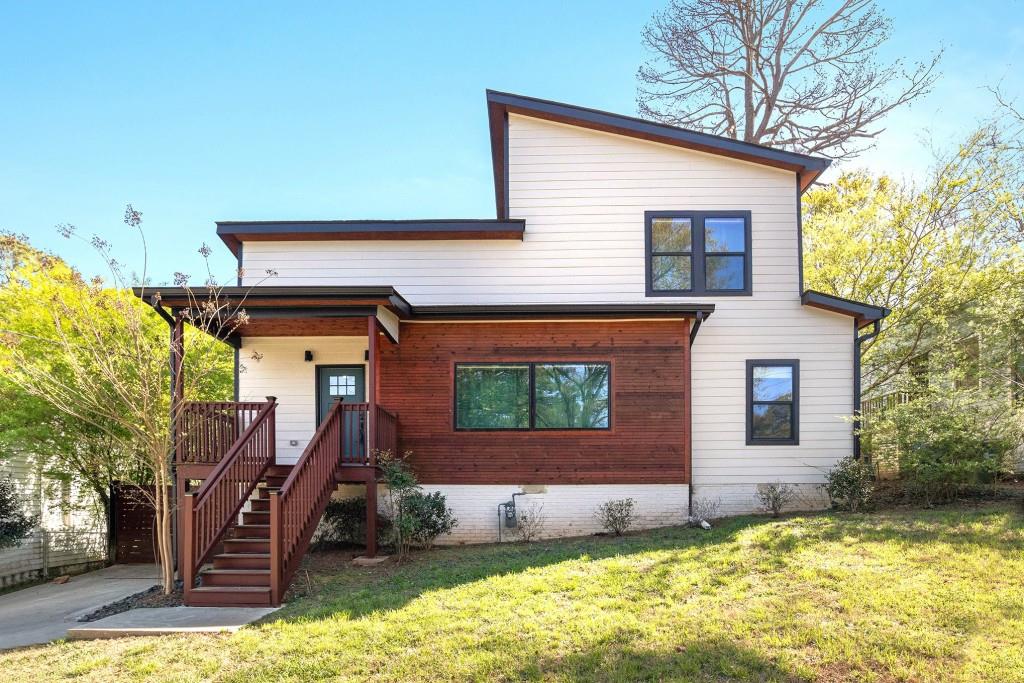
[210, 111]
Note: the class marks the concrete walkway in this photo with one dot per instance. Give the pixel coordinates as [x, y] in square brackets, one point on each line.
[159, 621]
[46, 612]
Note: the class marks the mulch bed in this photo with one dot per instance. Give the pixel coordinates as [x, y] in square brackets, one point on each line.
[151, 597]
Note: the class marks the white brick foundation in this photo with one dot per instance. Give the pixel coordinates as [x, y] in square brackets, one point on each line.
[739, 499]
[568, 509]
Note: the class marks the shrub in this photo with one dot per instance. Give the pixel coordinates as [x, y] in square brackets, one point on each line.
[946, 445]
[344, 523]
[774, 497]
[616, 516]
[850, 484]
[416, 518]
[432, 517]
[530, 523]
[703, 510]
[15, 525]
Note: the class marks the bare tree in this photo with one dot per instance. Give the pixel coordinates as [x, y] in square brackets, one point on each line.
[793, 74]
[99, 354]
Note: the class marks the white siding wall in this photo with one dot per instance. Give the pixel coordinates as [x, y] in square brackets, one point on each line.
[282, 372]
[583, 195]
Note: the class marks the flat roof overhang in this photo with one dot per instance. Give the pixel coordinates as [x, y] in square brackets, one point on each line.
[234, 233]
[285, 301]
[863, 314]
[502, 312]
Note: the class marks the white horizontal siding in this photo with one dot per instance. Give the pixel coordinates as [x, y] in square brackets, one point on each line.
[583, 194]
[281, 371]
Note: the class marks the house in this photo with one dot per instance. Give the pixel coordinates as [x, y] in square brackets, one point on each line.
[632, 323]
[70, 535]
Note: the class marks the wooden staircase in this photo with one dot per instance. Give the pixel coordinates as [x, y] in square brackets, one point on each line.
[240, 574]
[245, 530]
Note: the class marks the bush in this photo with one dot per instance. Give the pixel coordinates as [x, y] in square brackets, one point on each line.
[946, 446]
[775, 497]
[703, 510]
[530, 523]
[15, 525]
[417, 518]
[344, 524]
[616, 516]
[850, 484]
[431, 515]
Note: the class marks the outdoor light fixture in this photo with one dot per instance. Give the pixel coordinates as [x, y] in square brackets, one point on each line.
[308, 355]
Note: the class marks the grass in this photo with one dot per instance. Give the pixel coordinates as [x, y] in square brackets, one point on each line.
[909, 595]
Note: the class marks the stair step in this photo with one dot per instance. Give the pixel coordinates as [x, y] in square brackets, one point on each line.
[235, 596]
[241, 561]
[252, 531]
[256, 517]
[263, 492]
[234, 577]
[246, 545]
[260, 505]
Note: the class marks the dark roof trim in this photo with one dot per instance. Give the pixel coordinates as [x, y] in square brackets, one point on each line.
[500, 104]
[865, 314]
[274, 297]
[550, 311]
[233, 233]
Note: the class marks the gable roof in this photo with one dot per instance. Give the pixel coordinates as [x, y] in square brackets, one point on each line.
[864, 314]
[501, 104]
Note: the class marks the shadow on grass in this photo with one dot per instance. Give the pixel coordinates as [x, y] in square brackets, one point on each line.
[356, 593]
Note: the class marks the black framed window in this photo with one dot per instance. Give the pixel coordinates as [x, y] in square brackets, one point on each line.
[698, 253]
[540, 396]
[773, 402]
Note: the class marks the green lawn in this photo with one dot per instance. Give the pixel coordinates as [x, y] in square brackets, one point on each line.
[903, 595]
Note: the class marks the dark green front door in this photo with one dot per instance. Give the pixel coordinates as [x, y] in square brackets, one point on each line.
[346, 383]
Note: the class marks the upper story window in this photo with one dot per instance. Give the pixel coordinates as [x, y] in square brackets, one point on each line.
[698, 253]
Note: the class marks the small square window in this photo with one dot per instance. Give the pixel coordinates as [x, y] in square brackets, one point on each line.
[698, 252]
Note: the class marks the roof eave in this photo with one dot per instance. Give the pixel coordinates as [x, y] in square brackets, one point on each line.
[864, 314]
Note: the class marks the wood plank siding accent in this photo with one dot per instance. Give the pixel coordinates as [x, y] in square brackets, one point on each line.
[646, 443]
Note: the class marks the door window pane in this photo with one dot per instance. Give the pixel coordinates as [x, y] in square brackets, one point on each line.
[725, 234]
[724, 272]
[492, 396]
[671, 272]
[571, 396]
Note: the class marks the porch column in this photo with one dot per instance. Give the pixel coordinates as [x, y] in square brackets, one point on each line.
[371, 435]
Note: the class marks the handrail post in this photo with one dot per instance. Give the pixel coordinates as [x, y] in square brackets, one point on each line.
[272, 429]
[187, 561]
[276, 559]
[371, 391]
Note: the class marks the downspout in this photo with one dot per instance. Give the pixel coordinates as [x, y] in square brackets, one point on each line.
[698, 319]
[858, 340]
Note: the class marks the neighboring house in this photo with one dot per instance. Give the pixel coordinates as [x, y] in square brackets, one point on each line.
[71, 534]
[632, 324]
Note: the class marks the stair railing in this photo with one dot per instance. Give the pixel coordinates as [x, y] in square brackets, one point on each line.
[209, 512]
[296, 508]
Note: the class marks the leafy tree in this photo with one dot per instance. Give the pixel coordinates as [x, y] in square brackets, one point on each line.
[96, 357]
[796, 74]
[15, 524]
[938, 253]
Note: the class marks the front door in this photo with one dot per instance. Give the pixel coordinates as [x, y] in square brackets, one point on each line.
[346, 383]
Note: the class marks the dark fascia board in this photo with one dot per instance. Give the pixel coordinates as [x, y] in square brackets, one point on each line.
[233, 233]
[500, 104]
[865, 314]
[279, 297]
[549, 311]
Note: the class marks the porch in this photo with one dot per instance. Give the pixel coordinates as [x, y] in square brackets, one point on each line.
[249, 494]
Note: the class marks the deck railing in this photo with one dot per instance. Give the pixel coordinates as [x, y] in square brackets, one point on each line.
[209, 512]
[385, 429]
[205, 431]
